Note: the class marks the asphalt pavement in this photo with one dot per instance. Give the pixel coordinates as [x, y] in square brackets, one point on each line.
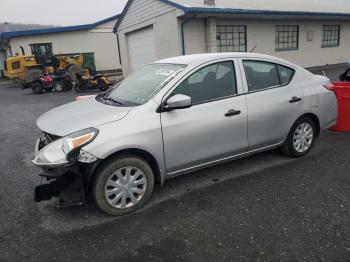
[262, 208]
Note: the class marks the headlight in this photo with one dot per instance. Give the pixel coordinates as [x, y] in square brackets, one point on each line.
[67, 150]
[72, 143]
[29, 59]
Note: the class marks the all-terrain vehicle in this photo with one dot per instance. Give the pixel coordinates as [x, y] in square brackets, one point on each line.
[90, 81]
[59, 81]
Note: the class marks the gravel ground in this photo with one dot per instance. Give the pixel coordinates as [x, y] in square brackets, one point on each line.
[262, 208]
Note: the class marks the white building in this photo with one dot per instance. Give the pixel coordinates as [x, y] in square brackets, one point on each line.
[302, 31]
[97, 40]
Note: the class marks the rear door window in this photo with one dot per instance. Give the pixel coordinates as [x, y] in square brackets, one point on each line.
[262, 75]
[285, 73]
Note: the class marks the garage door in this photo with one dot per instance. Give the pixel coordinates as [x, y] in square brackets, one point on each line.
[141, 48]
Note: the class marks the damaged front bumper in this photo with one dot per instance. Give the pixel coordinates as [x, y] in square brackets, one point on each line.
[68, 174]
[69, 184]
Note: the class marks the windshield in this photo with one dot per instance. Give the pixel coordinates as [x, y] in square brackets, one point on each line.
[141, 85]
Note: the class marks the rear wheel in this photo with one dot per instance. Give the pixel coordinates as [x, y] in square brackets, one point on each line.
[67, 85]
[73, 70]
[301, 138]
[37, 88]
[25, 85]
[123, 185]
[32, 73]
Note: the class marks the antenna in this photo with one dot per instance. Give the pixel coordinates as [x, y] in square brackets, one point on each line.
[251, 51]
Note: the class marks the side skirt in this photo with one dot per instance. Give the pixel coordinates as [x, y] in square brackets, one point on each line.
[219, 161]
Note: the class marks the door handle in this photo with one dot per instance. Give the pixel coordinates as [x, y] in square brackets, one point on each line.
[295, 99]
[233, 112]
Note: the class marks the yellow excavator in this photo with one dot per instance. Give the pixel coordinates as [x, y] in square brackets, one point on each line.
[24, 68]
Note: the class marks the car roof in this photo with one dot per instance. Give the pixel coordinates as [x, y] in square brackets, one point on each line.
[207, 57]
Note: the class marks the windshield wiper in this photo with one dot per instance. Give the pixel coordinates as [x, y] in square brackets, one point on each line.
[106, 98]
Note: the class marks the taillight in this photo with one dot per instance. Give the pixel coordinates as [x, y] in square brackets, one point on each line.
[329, 87]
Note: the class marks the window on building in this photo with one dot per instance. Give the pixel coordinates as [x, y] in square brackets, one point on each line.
[262, 75]
[231, 38]
[210, 83]
[331, 36]
[287, 37]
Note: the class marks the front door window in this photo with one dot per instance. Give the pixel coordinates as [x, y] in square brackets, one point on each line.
[210, 83]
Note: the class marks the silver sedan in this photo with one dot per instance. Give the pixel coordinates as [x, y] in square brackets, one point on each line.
[176, 116]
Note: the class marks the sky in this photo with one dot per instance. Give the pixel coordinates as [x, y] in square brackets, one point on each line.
[58, 12]
[77, 12]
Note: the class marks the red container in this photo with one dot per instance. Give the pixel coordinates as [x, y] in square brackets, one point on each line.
[342, 90]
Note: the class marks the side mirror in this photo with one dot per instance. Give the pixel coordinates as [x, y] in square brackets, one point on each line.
[178, 102]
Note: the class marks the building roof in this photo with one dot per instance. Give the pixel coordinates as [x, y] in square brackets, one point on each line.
[5, 27]
[336, 9]
[271, 6]
[56, 29]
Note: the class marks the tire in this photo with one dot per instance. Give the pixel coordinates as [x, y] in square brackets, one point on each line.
[290, 147]
[26, 85]
[127, 164]
[32, 73]
[101, 85]
[37, 88]
[73, 70]
[67, 85]
[59, 86]
[77, 88]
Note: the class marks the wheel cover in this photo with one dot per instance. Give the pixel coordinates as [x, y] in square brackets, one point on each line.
[303, 137]
[125, 187]
[58, 87]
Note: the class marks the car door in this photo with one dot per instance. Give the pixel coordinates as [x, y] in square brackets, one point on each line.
[214, 127]
[274, 101]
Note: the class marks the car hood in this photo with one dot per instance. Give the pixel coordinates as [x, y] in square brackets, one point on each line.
[79, 115]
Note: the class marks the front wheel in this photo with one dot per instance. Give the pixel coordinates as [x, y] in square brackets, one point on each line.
[59, 86]
[123, 185]
[37, 88]
[301, 138]
[73, 70]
